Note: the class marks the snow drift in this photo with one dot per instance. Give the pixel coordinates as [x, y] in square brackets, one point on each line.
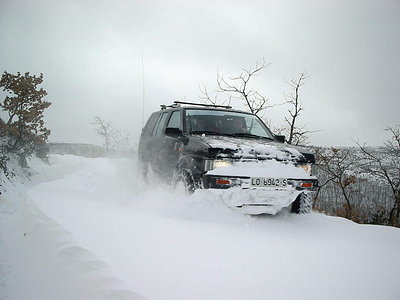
[91, 229]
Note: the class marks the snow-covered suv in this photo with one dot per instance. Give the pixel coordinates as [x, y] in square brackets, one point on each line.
[197, 146]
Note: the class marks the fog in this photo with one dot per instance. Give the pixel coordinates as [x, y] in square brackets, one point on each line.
[120, 60]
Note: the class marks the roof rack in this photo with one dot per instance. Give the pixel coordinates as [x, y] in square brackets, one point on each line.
[202, 104]
[163, 106]
[178, 104]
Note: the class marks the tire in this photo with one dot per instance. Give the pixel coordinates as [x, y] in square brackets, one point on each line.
[184, 183]
[302, 204]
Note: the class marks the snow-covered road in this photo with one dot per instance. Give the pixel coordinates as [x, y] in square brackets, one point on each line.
[94, 225]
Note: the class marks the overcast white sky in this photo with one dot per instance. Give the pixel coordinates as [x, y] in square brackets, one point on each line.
[90, 53]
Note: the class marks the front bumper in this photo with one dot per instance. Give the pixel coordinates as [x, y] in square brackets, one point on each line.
[226, 182]
[237, 193]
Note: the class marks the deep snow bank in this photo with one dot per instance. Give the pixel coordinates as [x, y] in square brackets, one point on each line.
[39, 259]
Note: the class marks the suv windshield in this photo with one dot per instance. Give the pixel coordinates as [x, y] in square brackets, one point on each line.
[220, 122]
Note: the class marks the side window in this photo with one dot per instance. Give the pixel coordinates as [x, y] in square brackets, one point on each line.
[175, 120]
[148, 129]
[160, 124]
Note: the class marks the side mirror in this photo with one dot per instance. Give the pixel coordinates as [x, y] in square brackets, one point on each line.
[280, 138]
[173, 132]
[176, 133]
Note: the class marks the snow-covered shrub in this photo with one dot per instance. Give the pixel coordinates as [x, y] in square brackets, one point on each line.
[23, 132]
[349, 186]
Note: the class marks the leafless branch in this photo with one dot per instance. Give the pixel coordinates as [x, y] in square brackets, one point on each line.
[205, 97]
[104, 129]
[238, 87]
[386, 165]
[296, 134]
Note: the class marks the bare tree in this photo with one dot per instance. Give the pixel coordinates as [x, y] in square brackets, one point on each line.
[238, 87]
[297, 135]
[385, 164]
[338, 166]
[122, 141]
[105, 130]
[206, 98]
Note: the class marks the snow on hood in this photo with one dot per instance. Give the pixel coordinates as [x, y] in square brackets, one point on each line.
[253, 148]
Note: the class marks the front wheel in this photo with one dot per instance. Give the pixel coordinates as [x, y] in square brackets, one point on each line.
[302, 204]
[184, 184]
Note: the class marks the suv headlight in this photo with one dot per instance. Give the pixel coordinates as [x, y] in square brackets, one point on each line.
[217, 163]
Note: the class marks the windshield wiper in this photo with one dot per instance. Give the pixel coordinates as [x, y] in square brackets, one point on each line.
[209, 132]
[237, 134]
[244, 134]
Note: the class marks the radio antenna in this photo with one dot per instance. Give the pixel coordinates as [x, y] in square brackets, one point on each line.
[143, 91]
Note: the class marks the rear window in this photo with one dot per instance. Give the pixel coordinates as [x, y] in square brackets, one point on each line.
[160, 124]
[148, 129]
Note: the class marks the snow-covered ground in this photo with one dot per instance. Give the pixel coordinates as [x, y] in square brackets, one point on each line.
[88, 228]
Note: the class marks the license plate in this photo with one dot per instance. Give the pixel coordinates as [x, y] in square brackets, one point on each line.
[268, 182]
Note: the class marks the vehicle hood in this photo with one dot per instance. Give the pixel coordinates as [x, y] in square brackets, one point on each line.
[249, 148]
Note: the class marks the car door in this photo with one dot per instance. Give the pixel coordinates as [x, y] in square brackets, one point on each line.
[155, 143]
[170, 149]
[146, 139]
